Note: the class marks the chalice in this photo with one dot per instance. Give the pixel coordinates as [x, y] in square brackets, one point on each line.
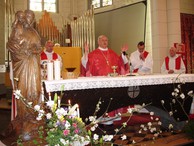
[70, 72]
[114, 70]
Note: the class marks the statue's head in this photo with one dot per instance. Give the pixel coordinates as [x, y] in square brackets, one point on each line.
[30, 16]
[20, 16]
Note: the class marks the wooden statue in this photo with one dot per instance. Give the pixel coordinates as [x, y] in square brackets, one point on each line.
[25, 46]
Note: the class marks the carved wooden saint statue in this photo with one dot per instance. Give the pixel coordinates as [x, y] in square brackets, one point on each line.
[25, 46]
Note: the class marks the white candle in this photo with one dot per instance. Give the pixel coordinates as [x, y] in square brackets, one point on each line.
[49, 71]
[49, 96]
[69, 104]
[42, 95]
[59, 101]
[78, 112]
[57, 70]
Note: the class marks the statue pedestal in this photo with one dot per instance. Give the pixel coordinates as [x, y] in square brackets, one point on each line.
[24, 131]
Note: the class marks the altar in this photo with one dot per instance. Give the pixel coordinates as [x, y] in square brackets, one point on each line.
[121, 91]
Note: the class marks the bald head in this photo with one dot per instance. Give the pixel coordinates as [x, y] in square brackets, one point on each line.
[49, 46]
[103, 41]
[172, 51]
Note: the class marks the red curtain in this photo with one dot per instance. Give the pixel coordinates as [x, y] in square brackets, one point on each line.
[187, 36]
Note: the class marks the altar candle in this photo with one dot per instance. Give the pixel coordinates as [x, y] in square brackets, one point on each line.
[57, 70]
[69, 104]
[42, 95]
[78, 112]
[49, 96]
[49, 71]
[59, 101]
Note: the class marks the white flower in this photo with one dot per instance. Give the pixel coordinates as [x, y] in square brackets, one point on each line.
[153, 129]
[37, 108]
[190, 93]
[149, 124]
[64, 142]
[92, 118]
[123, 137]
[145, 128]
[50, 103]
[67, 125]
[129, 110]
[116, 130]
[96, 137]
[179, 86]
[17, 94]
[124, 124]
[38, 118]
[151, 113]
[142, 126]
[182, 95]
[118, 114]
[176, 90]
[61, 112]
[159, 123]
[170, 126]
[170, 113]
[93, 128]
[162, 101]
[107, 137]
[29, 103]
[48, 116]
[40, 115]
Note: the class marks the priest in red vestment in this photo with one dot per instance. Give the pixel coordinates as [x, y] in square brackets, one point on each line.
[173, 63]
[49, 55]
[100, 62]
[140, 60]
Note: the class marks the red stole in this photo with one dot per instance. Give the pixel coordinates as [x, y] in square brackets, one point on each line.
[177, 63]
[145, 54]
[44, 56]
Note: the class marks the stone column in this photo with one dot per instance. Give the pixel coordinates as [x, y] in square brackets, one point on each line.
[165, 21]
[159, 32]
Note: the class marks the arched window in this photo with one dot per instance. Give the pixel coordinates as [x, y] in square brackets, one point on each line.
[41, 5]
[101, 3]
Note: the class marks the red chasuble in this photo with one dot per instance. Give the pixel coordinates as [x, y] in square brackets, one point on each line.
[100, 63]
[44, 56]
[177, 62]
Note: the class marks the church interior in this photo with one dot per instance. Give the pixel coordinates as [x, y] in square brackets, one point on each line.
[74, 25]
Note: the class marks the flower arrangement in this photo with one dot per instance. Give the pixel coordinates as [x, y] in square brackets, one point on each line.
[64, 127]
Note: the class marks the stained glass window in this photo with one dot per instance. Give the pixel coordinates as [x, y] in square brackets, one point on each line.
[101, 3]
[41, 5]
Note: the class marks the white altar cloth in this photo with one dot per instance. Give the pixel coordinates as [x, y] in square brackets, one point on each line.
[115, 82]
